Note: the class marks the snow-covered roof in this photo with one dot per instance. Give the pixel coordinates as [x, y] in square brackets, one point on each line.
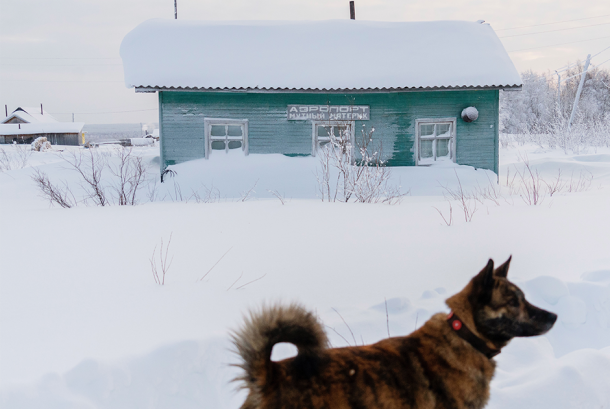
[315, 55]
[30, 115]
[41, 128]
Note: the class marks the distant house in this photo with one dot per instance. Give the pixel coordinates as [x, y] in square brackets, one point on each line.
[25, 124]
[430, 89]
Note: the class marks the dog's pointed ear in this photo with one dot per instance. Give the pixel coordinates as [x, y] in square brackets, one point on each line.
[502, 271]
[485, 279]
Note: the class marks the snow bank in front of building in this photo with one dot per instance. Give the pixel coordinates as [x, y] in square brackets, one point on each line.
[328, 54]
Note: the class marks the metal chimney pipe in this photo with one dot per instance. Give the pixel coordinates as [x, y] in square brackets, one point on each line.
[41, 113]
[352, 10]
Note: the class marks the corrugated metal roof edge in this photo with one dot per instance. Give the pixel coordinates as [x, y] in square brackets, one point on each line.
[153, 88]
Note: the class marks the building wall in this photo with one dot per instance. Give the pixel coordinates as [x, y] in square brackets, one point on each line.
[393, 115]
[15, 120]
[53, 138]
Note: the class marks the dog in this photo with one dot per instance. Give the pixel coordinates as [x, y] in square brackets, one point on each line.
[447, 363]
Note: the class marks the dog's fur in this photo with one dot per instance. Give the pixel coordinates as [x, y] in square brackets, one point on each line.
[431, 368]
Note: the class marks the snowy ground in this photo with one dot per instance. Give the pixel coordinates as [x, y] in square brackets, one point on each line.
[83, 324]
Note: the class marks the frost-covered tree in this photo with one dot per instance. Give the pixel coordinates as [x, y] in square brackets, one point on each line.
[540, 112]
[529, 110]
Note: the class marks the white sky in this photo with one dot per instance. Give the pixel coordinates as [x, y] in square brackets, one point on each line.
[65, 53]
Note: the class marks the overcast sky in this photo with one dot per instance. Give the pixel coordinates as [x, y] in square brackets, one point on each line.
[65, 53]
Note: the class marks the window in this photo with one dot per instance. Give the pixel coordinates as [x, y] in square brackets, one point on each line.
[226, 135]
[435, 140]
[325, 131]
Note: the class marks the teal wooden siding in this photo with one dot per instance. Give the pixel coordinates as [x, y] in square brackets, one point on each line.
[393, 115]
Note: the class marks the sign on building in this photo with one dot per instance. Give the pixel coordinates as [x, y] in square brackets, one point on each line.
[329, 112]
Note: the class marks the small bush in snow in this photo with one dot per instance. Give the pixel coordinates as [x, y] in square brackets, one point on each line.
[344, 177]
[61, 196]
[14, 157]
[130, 174]
[41, 144]
[128, 171]
[466, 201]
[161, 270]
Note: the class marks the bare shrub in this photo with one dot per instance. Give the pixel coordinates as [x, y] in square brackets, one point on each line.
[364, 179]
[448, 221]
[211, 194]
[208, 195]
[556, 186]
[250, 282]
[532, 183]
[17, 159]
[211, 268]
[160, 271]
[247, 194]
[279, 196]
[23, 155]
[130, 173]
[581, 184]
[491, 192]
[152, 190]
[510, 182]
[323, 176]
[5, 161]
[467, 202]
[90, 167]
[61, 196]
[177, 197]
[129, 177]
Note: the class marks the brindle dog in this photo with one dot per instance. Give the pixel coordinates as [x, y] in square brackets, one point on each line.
[447, 363]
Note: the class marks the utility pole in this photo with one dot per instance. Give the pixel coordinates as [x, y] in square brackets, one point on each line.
[175, 10]
[582, 81]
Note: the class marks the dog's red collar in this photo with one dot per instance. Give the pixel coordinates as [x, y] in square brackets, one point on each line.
[463, 332]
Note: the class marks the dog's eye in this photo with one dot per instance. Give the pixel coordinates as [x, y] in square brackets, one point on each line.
[514, 302]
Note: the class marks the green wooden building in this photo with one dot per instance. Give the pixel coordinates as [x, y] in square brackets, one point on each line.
[429, 89]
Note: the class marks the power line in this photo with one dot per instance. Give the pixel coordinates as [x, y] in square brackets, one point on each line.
[556, 45]
[552, 31]
[601, 52]
[96, 113]
[61, 58]
[1, 79]
[63, 65]
[557, 22]
[566, 67]
[597, 65]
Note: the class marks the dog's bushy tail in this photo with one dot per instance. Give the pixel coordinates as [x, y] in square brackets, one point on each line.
[265, 328]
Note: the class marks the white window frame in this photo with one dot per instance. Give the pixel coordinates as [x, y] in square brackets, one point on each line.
[452, 138]
[315, 140]
[208, 122]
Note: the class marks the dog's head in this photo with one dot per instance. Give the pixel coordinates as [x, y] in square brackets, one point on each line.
[498, 308]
